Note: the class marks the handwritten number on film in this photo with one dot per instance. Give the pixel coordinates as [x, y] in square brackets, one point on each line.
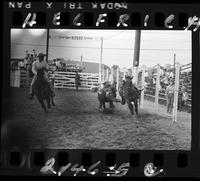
[121, 171]
[92, 170]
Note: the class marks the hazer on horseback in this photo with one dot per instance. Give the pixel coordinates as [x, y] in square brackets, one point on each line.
[41, 85]
[40, 64]
[130, 94]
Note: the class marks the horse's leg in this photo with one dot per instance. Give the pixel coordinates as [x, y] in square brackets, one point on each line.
[130, 106]
[111, 104]
[123, 101]
[104, 105]
[43, 105]
[136, 106]
[48, 102]
[52, 101]
[100, 105]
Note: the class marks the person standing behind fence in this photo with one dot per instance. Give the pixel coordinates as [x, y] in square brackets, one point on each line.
[77, 80]
[34, 55]
[26, 59]
[185, 98]
[170, 96]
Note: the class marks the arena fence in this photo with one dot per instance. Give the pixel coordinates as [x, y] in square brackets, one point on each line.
[21, 78]
[186, 81]
[67, 80]
[155, 93]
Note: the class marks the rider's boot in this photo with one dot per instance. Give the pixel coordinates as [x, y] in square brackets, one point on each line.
[52, 93]
[31, 94]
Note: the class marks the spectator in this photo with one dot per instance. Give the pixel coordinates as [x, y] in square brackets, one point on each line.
[34, 55]
[171, 74]
[170, 96]
[31, 59]
[58, 64]
[77, 80]
[161, 71]
[21, 64]
[146, 74]
[26, 59]
[184, 97]
[54, 62]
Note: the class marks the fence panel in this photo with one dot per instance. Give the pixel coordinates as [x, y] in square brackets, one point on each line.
[186, 81]
[67, 80]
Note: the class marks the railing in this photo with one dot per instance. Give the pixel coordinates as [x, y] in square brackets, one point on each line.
[67, 80]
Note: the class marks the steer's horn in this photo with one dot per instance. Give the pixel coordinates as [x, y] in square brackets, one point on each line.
[141, 89]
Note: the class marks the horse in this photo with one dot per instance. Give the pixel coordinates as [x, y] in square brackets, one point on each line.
[130, 94]
[106, 96]
[42, 91]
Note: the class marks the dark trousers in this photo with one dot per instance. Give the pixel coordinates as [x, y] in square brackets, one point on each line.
[76, 87]
[170, 101]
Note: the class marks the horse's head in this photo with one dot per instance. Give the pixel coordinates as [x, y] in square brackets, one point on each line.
[128, 81]
[140, 91]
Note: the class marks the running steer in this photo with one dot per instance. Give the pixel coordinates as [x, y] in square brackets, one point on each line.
[130, 94]
[106, 95]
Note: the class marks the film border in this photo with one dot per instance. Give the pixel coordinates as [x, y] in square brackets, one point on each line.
[122, 156]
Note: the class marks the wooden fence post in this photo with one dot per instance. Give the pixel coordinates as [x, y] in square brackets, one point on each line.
[103, 73]
[135, 74]
[142, 86]
[107, 74]
[175, 103]
[112, 75]
[117, 80]
[157, 89]
[15, 77]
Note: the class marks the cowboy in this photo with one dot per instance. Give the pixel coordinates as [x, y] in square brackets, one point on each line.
[38, 65]
[170, 95]
[132, 84]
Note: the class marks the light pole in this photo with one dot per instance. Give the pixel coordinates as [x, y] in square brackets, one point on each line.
[100, 63]
[136, 55]
[47, 46]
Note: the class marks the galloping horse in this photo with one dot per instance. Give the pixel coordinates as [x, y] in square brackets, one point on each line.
[42, 91]
[130, 94]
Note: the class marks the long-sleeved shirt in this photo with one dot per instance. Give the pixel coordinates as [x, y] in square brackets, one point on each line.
[37, 65]
[170, 89]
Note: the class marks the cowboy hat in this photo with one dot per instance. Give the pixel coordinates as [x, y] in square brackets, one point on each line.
[41, 55]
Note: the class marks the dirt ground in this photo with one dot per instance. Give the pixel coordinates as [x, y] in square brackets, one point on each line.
[76, 123]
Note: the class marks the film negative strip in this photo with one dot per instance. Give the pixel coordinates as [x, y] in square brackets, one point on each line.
[100, 89]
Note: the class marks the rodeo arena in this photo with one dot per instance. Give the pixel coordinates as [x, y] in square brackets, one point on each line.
[96, 107]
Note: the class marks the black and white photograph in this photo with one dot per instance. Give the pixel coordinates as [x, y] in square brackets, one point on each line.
[100, 89]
